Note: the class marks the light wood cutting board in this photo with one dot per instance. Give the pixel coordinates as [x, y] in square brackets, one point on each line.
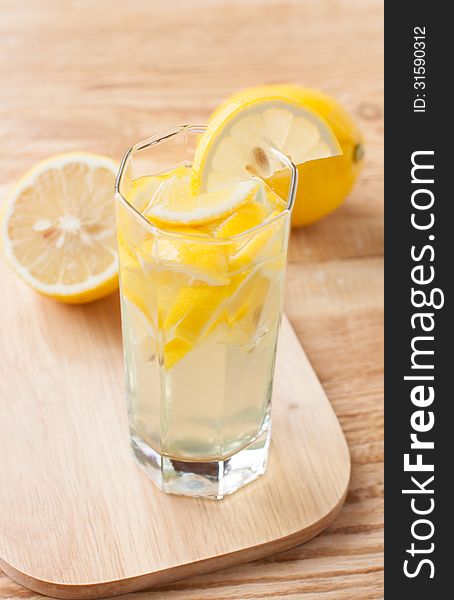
[79, 519]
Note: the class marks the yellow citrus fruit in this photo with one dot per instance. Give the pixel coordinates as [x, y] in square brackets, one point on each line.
[173, 202]
[59, 227]
[239, 133]
[182, 281]
[246, 217]
[323, 184]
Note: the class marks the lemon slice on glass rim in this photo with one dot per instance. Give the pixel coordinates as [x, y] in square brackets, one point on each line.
[234, 144]
[58, 229]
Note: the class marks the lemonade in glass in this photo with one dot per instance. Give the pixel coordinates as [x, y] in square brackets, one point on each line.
[202, 237]
[201, 297]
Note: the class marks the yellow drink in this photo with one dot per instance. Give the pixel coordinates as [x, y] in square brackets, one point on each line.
[201, 306]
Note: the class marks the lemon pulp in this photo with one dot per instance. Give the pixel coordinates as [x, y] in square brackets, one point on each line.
[59, 228]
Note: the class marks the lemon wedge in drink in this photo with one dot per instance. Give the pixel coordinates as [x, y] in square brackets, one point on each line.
[246, 217]
[59, 227]
[173, 202]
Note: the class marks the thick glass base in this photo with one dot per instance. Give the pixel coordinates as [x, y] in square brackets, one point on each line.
[210, 479]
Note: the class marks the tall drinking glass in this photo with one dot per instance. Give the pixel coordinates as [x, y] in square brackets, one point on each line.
[200, 321]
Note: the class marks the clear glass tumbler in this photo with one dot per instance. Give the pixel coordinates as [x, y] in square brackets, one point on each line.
[199, 342]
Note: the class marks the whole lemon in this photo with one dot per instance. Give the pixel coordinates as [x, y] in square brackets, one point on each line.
[323, 184]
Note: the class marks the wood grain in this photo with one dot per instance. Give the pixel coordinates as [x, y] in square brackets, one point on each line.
[77, 517]
[99, 76]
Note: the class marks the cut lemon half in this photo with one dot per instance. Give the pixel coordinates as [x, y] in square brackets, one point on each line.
[59, 228]
[235, 141]
[174, 203]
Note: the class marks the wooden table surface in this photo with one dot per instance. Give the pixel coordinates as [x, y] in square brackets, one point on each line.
[102, 75]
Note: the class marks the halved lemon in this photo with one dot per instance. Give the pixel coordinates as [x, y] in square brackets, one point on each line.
[59, 227]
[235, 141]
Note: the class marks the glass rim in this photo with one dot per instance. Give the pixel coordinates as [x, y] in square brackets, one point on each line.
[200, 237]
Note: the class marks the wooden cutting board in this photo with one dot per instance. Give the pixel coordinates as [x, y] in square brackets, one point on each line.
[79, 519]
